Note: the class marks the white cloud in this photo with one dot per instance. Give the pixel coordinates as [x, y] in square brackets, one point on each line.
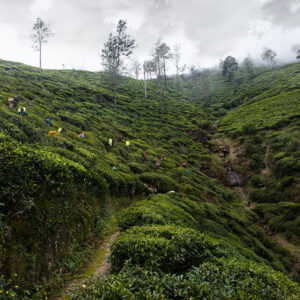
[208, 30]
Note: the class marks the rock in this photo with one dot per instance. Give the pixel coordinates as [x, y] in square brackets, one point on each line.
[233, 179]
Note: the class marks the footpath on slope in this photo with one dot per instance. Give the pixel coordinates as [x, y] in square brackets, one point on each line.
[244, 192]
[97, 267]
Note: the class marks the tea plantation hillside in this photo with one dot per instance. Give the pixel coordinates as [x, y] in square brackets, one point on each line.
[266, 128]
[261, 114]
[185, 234]
[219, 95]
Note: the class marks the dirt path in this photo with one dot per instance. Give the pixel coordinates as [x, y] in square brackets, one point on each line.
[105, 265]
[97, 268]
[267, 170]
[234, 149]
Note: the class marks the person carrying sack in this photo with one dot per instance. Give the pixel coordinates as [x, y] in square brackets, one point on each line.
[144, 156]
[22, 111]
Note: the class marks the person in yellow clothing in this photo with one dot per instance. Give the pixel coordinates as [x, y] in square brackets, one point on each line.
[53, 132]
[127, 143]
[110, 142]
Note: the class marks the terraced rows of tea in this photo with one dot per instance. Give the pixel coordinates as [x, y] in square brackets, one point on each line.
[185, 234]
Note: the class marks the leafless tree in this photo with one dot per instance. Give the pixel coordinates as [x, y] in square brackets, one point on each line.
[177, 56]
[204, 79]
[269, 55]
[148, 69]
[157, 54]
[248, 66]
[136, 68]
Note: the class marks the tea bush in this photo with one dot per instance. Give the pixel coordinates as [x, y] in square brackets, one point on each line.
[137, 216]
[223, 279]
[166, 248]
[59, 191]
[161, 181]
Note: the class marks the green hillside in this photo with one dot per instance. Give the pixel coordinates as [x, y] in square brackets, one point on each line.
[61, 195]
[260, 113]
[222, 95]
[267, 129]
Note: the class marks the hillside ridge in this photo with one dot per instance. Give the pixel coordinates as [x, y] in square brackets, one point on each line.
[158, 182]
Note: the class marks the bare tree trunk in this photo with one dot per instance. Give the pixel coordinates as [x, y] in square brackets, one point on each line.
[115, 96]
[165, 76]
[40, 55]
[115, 83]
[145, 85]
[160, 101]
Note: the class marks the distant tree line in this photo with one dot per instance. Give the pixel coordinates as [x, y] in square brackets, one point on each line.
[119, 47]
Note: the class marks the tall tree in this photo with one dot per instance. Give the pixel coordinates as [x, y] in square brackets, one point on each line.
[179, 69]
[165, 54]
[145, 78]
[230, 66]
[157, 55]
[41, 33]
[136, 68]
[269, 55]
[148, 69]
[177, 56]
[298, 54]
[193, 75]
[116, 49]
[248, 66]
[205, 83]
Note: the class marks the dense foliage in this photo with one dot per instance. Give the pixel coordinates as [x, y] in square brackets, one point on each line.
[222, 279]
[58, 192]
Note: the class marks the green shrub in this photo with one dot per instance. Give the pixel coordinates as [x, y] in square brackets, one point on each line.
[167, 248]
[249, 128]
[268, 194]
[256, 181]
[162, 182]
[137, 168]
[140, 215]
[223, 279]
[43, 196]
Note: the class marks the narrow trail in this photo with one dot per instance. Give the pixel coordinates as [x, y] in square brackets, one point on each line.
[266, 161]
[97, 267]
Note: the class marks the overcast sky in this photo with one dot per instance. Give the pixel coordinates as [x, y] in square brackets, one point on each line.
[208, 30]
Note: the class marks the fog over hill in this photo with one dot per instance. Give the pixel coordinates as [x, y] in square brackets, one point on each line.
[207, 30]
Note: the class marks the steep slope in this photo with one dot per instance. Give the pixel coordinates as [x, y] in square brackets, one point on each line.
[267, 127]
[264, 131]
[59, 193]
